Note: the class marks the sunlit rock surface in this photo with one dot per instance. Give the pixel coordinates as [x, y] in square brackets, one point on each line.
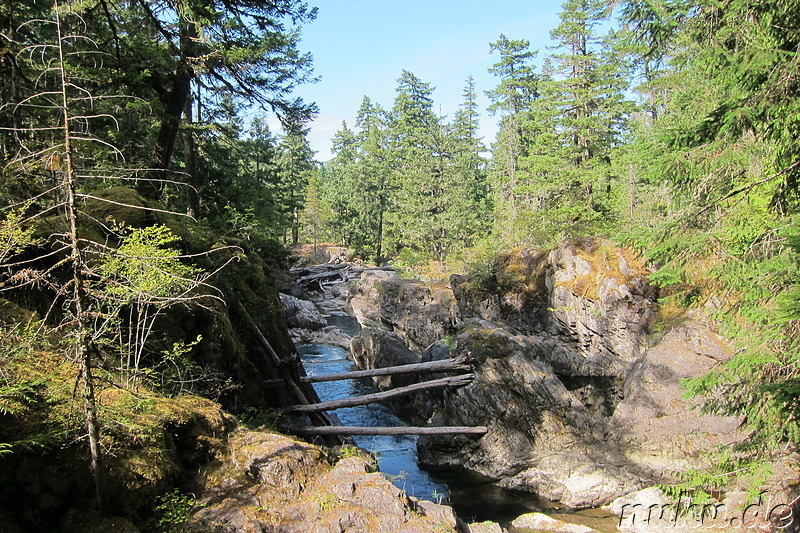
[268, 482]
[581, 409]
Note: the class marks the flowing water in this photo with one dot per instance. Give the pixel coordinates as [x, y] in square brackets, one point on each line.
[474, 499]
[396, 454]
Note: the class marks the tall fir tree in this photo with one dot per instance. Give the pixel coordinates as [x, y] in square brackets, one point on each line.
[376, 184]
[511, 99]
[471, 204]
[295, 165]
[582, 101]
[412, 124]
[337, 183]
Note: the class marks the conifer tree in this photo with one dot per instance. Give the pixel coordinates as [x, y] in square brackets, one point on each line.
[238, 49]
[517, 89]
[315, 216]
[470, 205]
[376, 183]
[411, 128]
[295, 164]
[359, 183]
[582, 114]
[728, 155]
[337, 182]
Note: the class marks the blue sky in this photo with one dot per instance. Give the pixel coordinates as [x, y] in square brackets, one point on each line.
[360, 47]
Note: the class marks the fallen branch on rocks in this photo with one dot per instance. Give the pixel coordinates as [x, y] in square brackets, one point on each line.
[455, 381]
[322, 267]
[295, 388]
[334, 275]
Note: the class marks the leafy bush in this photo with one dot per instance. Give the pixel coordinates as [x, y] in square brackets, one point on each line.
[173, 510]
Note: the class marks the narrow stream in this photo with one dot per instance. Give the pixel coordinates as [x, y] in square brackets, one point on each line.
[396, 454]
[474, 499]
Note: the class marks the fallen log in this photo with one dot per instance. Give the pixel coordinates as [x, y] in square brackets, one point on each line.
[361, 270]
[293, 384]
[455, 381]
[321, 275]
[411, 430]
[446, 365]
[317, 269]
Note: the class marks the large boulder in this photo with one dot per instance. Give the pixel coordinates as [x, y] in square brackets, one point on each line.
[542, 522]
[418, 313]
[301, 313]
[543, 437]
[655, 425]
[377, 348]
[269, 482]
[586, 295]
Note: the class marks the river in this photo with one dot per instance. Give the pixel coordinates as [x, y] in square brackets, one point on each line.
[474, 499]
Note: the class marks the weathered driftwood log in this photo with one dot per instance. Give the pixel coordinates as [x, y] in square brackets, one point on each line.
[334, 275]
[455, 381]
[412, 430]
[360, 270]
[446, 365]
[315, 269]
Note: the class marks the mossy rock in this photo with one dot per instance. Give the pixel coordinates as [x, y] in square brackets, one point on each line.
[123, 206]
[12, 314]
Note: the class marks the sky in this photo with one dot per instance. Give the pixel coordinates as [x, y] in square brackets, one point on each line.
[360, 48]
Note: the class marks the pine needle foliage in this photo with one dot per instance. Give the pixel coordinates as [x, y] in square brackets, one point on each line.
[731, 162]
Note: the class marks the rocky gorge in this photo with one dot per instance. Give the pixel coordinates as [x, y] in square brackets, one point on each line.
[576, 375]
[577, 385]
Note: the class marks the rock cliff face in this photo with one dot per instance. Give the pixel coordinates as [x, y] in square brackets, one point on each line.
[580, 411]
[418, 313]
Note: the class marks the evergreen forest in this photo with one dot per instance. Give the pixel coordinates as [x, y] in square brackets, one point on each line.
[139, 172]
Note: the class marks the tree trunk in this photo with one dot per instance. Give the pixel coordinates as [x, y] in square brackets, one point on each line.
[379, 247]
[455, 381]
[407, 430]
[295, 226]
[632, 189]
[190, 154]
[82, 353]
[446, 365]
[174, 105]
[161, 157]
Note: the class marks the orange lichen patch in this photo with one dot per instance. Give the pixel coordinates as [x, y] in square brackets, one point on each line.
[597, 260]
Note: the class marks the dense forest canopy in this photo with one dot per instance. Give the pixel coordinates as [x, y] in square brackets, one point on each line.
[672, 130]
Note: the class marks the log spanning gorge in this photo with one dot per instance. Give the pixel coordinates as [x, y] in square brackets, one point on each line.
[538, 386]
